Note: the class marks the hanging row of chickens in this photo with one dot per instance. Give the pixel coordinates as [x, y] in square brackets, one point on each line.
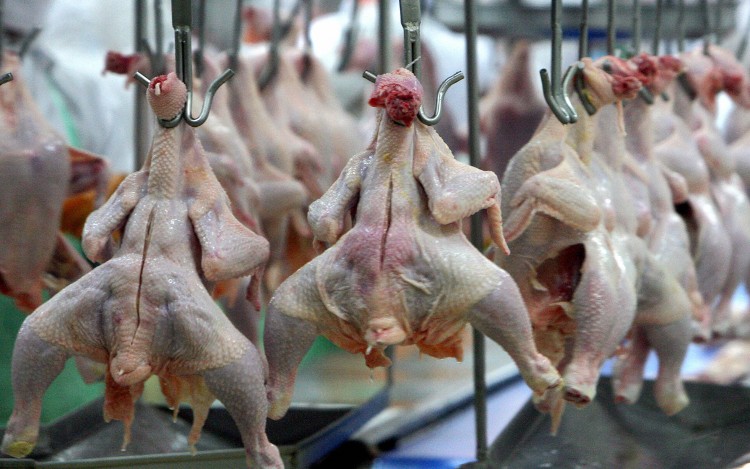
[628, 230]
[613, 236]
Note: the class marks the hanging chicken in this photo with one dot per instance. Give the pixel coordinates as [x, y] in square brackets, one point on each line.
[146, 309]
[37, 172]
[663, 319]
[578, 292]
[404, 273]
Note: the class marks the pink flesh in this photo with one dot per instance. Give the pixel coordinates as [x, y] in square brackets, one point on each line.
[116, 62]
[400, 94]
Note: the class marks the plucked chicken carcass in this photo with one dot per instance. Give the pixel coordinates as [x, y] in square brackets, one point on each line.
[282, 199]
[663, 310]
[722, 73]
[37, 172]
[266, 139]
[404, 273]
[296, 106]
[264, 197]
[578, 293]
[676, 148]
[667, 235]
[511, 111]
[146, 309]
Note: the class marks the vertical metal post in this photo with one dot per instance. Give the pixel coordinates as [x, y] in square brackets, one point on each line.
[480, 386]
[657, 29]
[583, 42]
[384, 37]
[140, 120]
[555, 13]
[158, 65]
[2, 36]
[636, 26]
[384, 63]
[680, 25]
[706, 25]
[234, 54]
[743, 43]
[201, 27]
[611, 31]
[411, 17]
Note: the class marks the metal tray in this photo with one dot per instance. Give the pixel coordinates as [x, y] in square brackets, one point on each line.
[83, 440]
[712, 432]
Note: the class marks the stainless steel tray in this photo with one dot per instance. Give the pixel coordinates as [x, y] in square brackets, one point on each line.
[712, 432]
[83, 440]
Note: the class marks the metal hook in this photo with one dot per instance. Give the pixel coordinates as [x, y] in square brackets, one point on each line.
[636, 26]
[156, 55]
[583, 38]
[657, 28]
[644, 92]
[5, 78]
[440, 96]
[743, 43]
[278, 32]
[410, 20]
[555, 92]
[307, 60]
[611, 30]
[583, 51]
[181, 21]
[201, 25]
[27, 40]
[581, 90]
[706, 26]
[681, 25]
[234, 52]
[350, 37]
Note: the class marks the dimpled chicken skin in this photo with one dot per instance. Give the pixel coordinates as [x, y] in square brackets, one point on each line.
[146, 310]
[404, 273]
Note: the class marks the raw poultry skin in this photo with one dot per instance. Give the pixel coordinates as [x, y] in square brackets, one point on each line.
[404, 273]
[676, 148]
[663, 309]
[575, 285]
[37, 172]
[727, 187]
[146, 310]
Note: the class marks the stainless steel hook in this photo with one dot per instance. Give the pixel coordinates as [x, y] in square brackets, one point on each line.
[278, 32]
[657, 28]
[350, 38]
[581, 90]
[439, 98]
[411, 17]
[706, 26]
[555, 91]
[743, 43]
[155, 55]
[181, 20]
[234, 53]
[583, 31]
[636, 26]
